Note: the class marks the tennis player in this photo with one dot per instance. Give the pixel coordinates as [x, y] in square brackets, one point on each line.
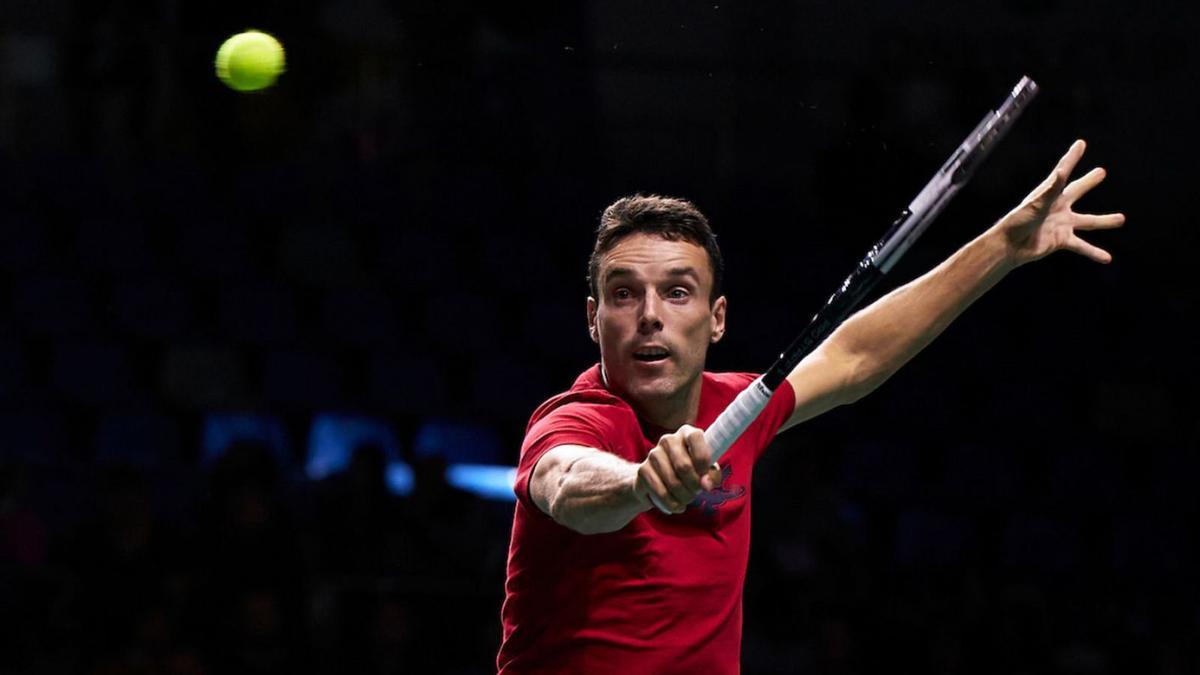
[599, 581]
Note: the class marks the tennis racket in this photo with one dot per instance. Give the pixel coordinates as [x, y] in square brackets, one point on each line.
[882, 257]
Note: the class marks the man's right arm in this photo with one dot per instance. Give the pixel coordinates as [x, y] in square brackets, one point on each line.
[592, 491]
[585, 489]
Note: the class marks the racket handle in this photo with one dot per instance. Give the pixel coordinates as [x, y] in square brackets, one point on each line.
[730, 424]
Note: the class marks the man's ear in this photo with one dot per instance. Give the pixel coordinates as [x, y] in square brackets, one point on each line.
[718, 319]
[593, 330]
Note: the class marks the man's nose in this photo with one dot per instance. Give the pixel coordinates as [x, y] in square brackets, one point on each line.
[649, 321]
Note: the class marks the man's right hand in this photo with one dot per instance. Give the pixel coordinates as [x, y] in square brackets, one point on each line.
[676, 470]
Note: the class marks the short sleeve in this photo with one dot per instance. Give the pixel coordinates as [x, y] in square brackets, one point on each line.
[778, 411]
[572, 424]
[762, 430]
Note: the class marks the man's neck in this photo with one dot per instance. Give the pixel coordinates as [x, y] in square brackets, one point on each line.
[666, 417]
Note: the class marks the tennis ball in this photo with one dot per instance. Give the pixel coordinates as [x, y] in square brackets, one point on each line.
[250, 61]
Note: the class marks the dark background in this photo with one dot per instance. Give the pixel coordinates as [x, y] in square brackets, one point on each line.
[399, 229]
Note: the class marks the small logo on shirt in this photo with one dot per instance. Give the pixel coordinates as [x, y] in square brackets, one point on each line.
[711, 500]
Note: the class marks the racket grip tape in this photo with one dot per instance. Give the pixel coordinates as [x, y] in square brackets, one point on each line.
[726, 429]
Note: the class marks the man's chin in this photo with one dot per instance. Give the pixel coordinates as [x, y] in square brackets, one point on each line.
[657, 382]
[653, 391]
[653, 388]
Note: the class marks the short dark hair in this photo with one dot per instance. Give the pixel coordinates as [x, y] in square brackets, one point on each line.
[671, 218]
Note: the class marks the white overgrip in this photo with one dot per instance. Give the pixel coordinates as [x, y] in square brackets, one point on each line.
[730, 424]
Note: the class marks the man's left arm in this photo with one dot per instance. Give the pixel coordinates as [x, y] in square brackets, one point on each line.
[874, 343]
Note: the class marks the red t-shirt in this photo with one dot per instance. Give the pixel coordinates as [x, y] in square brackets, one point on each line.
[661, 595]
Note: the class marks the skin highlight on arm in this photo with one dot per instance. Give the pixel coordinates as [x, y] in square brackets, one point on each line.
[890, 332]
[587, 490]
[874, 343]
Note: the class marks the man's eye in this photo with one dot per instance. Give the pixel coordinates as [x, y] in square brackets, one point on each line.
[622, 294]
[678, 293]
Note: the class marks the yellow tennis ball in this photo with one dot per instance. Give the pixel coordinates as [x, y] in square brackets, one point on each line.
[250, 61]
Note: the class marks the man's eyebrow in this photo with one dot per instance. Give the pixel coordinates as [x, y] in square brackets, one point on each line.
[684, 272]
[618, 272]
[622, 272]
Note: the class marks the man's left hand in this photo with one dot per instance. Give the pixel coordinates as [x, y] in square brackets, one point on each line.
[1044, 222]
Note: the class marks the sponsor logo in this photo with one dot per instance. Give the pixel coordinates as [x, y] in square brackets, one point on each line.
[710, 500]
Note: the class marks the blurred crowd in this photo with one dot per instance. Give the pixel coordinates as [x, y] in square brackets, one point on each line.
[941, 558]
[240, 570]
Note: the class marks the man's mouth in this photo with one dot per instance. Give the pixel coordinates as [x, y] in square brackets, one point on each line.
[651, 354]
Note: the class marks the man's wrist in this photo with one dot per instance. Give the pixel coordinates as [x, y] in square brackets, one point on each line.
[637, 496]
[998, 249]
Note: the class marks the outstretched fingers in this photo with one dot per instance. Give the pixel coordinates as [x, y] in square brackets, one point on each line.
[1107, 221]
[1045, 194]
[1090, 251]
[1067, 164]
[1077, 189]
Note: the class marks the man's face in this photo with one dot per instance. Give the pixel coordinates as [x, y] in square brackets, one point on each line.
[653, 320]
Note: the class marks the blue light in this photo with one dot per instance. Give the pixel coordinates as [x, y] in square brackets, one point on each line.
[223, 429]
[334, 436]
[489, 481]
[457, 442]
[400, 480]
